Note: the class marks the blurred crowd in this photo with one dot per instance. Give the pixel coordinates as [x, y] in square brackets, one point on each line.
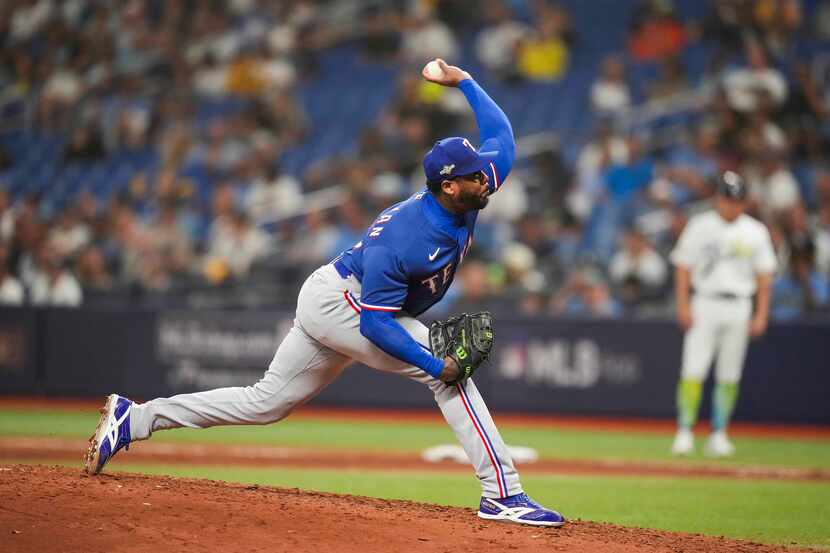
[209, 216]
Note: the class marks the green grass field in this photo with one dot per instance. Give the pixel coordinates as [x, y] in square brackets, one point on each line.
[772, 511]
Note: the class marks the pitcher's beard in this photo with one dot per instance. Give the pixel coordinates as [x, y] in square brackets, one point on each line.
[473, 201]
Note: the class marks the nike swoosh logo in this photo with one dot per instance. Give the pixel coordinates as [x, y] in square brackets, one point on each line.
[433, 256]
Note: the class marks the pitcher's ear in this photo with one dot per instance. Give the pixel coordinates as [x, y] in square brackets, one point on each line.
[447, 187]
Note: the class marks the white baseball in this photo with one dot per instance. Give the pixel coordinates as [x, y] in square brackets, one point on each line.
[434, 70]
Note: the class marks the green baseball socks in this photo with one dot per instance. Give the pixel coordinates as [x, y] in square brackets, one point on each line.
[689, 394]
[688, 402]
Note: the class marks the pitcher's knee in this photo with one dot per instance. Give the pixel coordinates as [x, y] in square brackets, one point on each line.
[268, 406]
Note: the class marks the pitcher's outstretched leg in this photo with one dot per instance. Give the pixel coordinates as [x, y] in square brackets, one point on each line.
[301, 368]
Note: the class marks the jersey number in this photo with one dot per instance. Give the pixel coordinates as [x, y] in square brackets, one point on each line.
[375, 232]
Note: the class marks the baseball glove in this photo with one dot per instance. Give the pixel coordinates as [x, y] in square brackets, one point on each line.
[467, 339]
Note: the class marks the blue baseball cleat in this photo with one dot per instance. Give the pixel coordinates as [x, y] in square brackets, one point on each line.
[111, 434]
[520, 509]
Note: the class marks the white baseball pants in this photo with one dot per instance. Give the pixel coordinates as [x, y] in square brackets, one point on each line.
[325, 339]
[720, 326]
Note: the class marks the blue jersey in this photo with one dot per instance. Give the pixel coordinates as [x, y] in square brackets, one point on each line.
[407, 259]
[411, 251]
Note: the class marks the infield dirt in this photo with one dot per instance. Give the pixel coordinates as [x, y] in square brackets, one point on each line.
[60, 509]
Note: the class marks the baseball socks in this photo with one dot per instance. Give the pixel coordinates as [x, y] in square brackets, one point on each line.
[688, 403]
[724, 398]
[689, 393]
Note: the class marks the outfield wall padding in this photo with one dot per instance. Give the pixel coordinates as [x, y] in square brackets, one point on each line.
[544, 365]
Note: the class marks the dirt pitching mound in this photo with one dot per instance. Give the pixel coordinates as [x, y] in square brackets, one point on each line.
[60, 509]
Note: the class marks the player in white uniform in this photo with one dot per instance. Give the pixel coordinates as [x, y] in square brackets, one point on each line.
[726, 256]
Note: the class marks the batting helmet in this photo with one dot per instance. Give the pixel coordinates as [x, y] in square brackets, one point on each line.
[731, 185]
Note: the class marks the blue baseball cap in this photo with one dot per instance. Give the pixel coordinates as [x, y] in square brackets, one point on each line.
[453, 157]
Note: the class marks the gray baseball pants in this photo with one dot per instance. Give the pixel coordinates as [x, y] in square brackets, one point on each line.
[325, 339]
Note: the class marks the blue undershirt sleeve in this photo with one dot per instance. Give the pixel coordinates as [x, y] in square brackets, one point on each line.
[381, 328]
[496, 133]
[383, 292]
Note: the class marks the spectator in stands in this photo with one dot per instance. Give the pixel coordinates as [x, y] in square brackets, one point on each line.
[132, 115]
[806, 99]
[418, 99]
[414, 135]
[277, 73]
[7, 217]
[61, 91]
[173, 246]
[497, 43]
[801, 235]
[153, 275]
[246, 76]
[775, 188]
[690, 169]
[776, 21]
[426, 37]
[21, 76]
[273, 195]
[210, 78]
[671, 80]
[724, 26]
[88, 208]
[381, 36]
[549, 177]
[821, 21]
[352, 221]
[521, 274]
[567, 239]
[610, 92]
[11, 291]
[748, 88]
[29, 234]
[654, 32]
[126, 242]
[27, 18]
[637, 270]
[320, 238]
[765, 133]
[85, 145]
[802, 290]
[585, 294]
[625, 191]
[806, 109]
[677, 222]
[237, 244]
[512, 206]
[284, 120]
[543, 54]
[69, 234]
[605, 149]
[475, 288]
[93, 274]
[53, 285]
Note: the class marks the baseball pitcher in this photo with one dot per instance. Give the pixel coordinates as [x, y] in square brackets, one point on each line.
[362, 307]
[726, 256]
